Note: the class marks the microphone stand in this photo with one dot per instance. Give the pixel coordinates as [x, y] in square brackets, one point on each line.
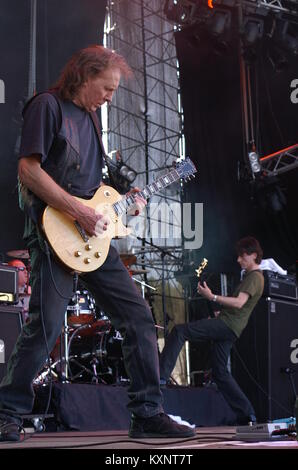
[163, 254]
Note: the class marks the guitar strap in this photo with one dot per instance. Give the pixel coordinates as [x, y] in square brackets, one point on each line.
[96, 124]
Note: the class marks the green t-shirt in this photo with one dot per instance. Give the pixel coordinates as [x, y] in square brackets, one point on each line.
[236, 318]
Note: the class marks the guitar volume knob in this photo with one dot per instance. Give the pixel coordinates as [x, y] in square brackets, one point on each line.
[88, 247]
[78, 253]
[97, 254]
[87, 260]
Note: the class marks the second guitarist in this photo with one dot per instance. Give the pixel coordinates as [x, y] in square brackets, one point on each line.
[223, 330]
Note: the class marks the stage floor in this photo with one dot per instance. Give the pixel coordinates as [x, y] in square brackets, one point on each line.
[211, 438]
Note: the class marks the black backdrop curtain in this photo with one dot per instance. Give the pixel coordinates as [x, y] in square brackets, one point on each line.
[211, 97]
[62, 28]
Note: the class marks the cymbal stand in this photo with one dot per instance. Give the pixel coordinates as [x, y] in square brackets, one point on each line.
[143, 285]
[94, 362]
[65, 360]
[66, 330]
[163, 254]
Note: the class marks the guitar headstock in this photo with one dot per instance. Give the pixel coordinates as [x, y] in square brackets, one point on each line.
[186, 169]
[202, 266]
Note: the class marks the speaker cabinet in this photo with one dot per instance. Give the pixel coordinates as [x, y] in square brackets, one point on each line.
[10, 328]
[265, 359]
[8, 284]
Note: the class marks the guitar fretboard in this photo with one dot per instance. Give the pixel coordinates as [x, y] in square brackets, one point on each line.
[122, 206]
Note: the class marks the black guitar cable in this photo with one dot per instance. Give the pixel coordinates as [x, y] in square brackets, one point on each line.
[48, 255]
[47, 251]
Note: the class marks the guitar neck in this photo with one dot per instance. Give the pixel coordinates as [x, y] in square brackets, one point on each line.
[123, 206]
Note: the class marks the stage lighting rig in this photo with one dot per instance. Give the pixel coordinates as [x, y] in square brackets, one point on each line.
[187, 12]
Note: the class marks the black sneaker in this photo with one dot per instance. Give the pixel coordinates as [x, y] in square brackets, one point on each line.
[10, 429]
[160, 425]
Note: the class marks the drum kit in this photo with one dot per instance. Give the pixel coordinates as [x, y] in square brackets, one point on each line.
[89, 349]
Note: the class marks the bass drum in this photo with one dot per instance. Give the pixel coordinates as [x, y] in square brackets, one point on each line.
[97, 358]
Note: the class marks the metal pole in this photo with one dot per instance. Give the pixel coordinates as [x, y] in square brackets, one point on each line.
[66, 352]
[32, 51]
[246, 95]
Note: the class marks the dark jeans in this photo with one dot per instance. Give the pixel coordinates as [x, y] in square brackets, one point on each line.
[117, 294]
[223, 339]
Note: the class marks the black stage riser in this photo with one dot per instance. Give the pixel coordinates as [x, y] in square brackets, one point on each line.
[85, 407]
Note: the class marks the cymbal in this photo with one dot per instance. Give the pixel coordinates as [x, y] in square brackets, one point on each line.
[23, 254]
[128, 259]
[138, 271]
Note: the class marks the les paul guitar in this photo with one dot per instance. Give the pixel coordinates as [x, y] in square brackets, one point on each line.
[82, 253]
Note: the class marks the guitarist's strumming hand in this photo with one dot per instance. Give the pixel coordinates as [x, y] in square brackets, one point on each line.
[93, 222]
[139, 204]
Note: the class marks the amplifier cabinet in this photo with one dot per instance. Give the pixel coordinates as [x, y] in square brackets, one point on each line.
[284, 287]
[265, 359]
[10, 328]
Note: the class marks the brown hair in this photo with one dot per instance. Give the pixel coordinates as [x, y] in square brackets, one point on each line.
[85, 63]
[249, 245]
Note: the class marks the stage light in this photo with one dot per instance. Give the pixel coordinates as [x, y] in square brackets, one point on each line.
[290, 36]
[277, 58]
[220, 22]
[270, 195]
[254, 162]
[253, 29]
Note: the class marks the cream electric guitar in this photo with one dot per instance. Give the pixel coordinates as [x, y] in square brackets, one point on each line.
[81, 253]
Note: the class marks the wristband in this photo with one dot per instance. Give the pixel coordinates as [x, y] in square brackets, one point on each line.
[214, 298]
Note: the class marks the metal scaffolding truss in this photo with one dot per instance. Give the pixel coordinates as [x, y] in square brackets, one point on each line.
[145, 124]
[278, 6]
[283, 6]
[198, 11]
[280, 162]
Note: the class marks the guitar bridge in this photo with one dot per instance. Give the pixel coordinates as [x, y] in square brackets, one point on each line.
[81, 231]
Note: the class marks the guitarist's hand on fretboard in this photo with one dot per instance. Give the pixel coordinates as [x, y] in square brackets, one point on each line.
[139, 204]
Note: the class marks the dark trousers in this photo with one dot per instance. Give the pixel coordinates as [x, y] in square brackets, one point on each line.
[223, 339]
[117, 294]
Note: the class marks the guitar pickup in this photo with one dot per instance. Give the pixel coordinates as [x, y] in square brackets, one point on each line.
[81, 231]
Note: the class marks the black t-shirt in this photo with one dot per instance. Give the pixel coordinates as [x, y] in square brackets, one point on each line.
[42, 121]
